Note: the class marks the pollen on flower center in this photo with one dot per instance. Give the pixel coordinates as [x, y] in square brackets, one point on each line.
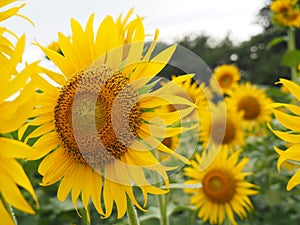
[250, 106]
[97, 116]
[219, 186]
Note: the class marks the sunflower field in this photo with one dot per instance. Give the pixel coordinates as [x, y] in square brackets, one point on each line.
[119, 128]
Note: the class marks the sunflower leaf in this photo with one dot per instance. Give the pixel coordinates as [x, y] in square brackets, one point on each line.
[291, 58]
[276, 41]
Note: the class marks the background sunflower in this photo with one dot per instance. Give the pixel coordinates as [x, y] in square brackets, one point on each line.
[224, 191]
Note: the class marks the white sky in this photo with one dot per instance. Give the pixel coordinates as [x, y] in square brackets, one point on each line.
[174, 19]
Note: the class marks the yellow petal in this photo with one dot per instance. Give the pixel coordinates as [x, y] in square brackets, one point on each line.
[96, 193]
[17, 174]
[289, 121]
[291, 138]
[291, 86]
[10, 12]
[67, 183]
[80, 45]
[21, 106]
[292, 153]
[107, 197]
[293, 108]
[150, 69]
[6, 69]
[12, 194]
[152, 46]
[44, 145]
[5, 217]
[15, 149]
[70, 52]
[153, 101]
[168, 118]
[108, 37]
[60, 61]
[293, 181]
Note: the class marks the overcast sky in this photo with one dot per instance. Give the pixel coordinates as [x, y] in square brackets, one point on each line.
[174, 19]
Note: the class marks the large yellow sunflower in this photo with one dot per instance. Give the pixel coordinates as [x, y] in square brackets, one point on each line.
[286, 13]
[221, 128]
[227, 76]
[252, 101]
[291, 121]
[16, 102]
[224, 191]
[98, 127]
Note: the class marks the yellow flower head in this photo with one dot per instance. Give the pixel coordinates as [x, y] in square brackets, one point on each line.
[223, 130]
[99, 128]
[292, 122]
[16, 102]
[252, 102]
[286, 13]
[224, 191]
[227, 76]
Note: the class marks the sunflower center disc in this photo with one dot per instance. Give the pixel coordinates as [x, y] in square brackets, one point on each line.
[226, 80]
[250, 106]
[223, 133]
[219, 186]
[97, 116]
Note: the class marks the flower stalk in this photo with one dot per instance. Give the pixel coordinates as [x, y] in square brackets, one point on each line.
[131, 213]
[292, 47]
[163, 203]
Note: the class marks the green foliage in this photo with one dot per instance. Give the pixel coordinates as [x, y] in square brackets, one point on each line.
[291, 58]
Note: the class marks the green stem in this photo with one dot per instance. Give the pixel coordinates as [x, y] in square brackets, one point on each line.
[227, 221]
[85, 216]
[9, 209]
[292, 47]
[131, 213]
[163, 203]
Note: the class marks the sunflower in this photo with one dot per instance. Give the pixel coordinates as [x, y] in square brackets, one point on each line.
[16, 102]
[291, 122]
[224, 190]
[252, 101]
[227, 76]
[286, 13]
[222, 128]
[98, 128]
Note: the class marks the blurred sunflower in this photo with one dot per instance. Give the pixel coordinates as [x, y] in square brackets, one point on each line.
[253, 102]
[286, 12]
[224, 190]
[291, 122]
[16, 102]
[98, 127]
[222, 130]
[227, 76]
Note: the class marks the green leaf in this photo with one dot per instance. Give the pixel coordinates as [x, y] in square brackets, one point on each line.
[172, 208]
[153, 212]
[291, 58]
[277, 40]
